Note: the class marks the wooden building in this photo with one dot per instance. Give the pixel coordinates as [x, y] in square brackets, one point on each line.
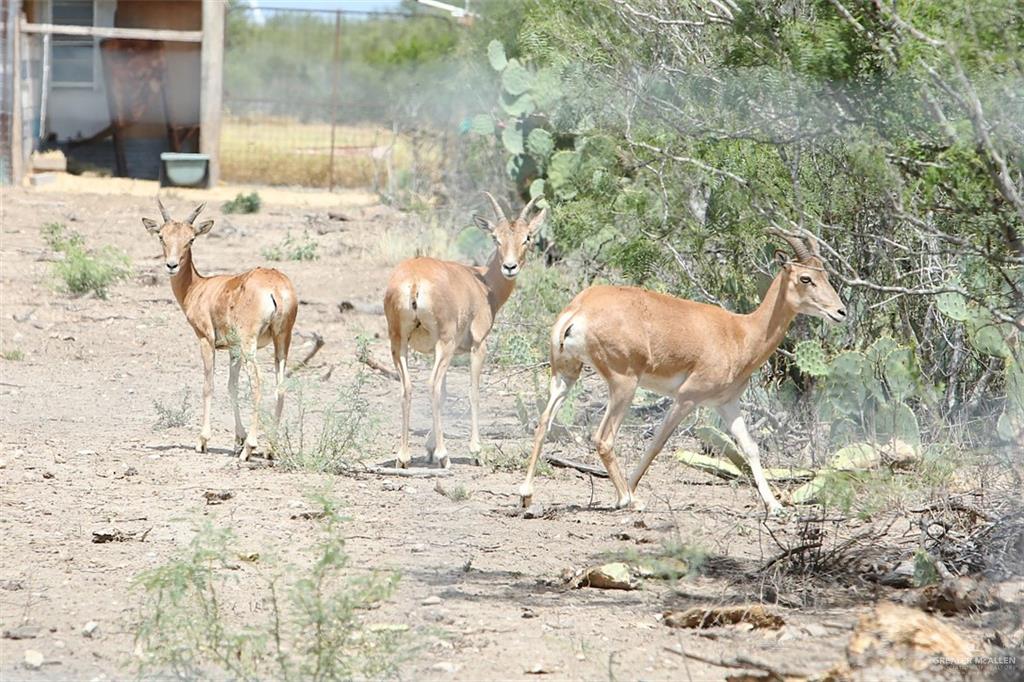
[111, 83]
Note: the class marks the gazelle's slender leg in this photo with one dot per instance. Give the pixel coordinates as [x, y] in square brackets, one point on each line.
[399, 352]
[281, 343]
[620, 395]
[431, 443]
[558, 389]
[443, 353]
[730, 413]
[254, 379]
[236, 366]
[675, 415]
[476, 365]
[207, 351]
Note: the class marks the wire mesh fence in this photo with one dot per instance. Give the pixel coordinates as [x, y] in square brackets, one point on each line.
[327, 98]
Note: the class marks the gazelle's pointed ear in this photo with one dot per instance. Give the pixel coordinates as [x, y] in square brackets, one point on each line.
[483, 223]
[782, 259]
[151, 225]
[537, 221]
[204, 227]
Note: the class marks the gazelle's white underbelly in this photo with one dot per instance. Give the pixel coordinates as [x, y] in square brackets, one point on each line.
[664, 385]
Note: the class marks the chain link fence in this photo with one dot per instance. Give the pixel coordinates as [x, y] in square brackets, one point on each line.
[333, 98]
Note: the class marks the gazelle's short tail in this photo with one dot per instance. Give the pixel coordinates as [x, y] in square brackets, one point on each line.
[568, 343]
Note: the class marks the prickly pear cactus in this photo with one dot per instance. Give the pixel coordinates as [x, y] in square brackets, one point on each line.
[810, 358]
[512, 138]
[901, 373]
[496, 55]
[896, 421]
[953, 306]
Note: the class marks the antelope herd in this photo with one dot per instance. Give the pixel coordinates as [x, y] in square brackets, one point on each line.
[694, 353]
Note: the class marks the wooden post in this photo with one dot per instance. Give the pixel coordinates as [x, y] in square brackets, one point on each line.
[334, 90]
[17, 125]
[212, 84]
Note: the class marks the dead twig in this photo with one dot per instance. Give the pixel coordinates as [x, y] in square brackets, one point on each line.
[409, 473]
[554, 460]
[376, 366]
[318, 343]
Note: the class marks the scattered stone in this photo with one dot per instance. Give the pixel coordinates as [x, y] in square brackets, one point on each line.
[614, 576]
[33, 659]
[309, 515]
[901, 576]
[217, 496]
[957, 595]
[418, 548]
[90, 629]
[23, 632]
[538, 669]
[431, 601]
[444, 667]
[815, 630]
[392, 485]
[534, 511]
[47, 474]
[12, 585]
[755, 615]
[890, 639]
[131, 471]
[529, 613]
[118, 535]
[85, 453]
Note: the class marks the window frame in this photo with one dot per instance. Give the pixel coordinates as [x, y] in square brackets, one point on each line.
[58, 40]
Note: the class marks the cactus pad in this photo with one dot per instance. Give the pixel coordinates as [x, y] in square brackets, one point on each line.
[810, 358]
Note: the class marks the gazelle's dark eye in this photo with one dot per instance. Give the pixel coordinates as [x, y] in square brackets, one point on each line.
[805, 279]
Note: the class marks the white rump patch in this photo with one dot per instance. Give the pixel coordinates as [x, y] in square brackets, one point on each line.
[574, 343]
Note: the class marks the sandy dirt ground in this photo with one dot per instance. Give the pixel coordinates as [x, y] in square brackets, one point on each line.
[80, 453]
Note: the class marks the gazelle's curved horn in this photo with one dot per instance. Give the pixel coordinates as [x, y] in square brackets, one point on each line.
[526, 209]
[815, 248]
[500, 214]
[192, 216]
[799, 248]
[163, 211]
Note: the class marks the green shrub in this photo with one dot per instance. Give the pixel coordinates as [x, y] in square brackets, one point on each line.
[307, 625]
[82, 270]
[243, 203]
[338, 442]
[291, 248]
[171, 416]
[14, 355]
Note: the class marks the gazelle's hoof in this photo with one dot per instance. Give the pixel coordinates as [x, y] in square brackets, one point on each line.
[201, 446]
[777, 511]
[446, 461]
[474, 447]
[525, 501]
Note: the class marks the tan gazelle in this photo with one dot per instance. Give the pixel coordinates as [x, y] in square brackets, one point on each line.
[239, 313]
[447, 308]
[695, 353]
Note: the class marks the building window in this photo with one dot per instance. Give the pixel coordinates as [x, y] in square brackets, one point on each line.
[74, 57]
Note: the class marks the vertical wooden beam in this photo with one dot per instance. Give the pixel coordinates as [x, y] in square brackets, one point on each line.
[17, 126]
[212, 84]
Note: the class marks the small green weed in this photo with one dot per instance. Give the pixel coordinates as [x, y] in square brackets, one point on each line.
[335, 445]
[14, 355]
[673, 560]
[306, 622]
[291, 248]
[171, 416]
[83, 270]
[243, 203]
